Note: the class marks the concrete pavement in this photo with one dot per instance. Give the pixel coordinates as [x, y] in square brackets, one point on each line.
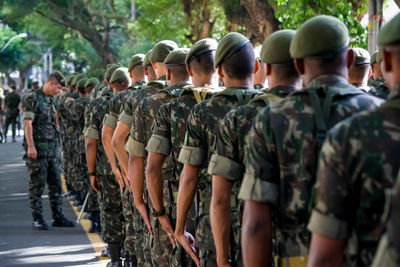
[20, 245]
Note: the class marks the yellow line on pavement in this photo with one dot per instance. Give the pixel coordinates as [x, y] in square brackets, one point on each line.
[94, 238]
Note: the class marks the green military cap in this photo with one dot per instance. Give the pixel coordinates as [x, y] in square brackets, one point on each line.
[200, 47]
[320, 37]
[229, 45]
[146, 60]
[110, 71]
[161, 50]
[119, 74]
[36, 82]
[59, 77]
[373, 58]
[136, 60]
[361, 56]
[81, 83]
[92, 81]
[390, 32]
[77, 78]
[69, 79]
[275, 49]
[177, 57]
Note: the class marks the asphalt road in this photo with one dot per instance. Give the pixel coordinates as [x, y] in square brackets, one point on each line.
[20, 245]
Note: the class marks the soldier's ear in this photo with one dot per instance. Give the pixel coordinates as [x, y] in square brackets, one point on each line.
[168, 74]
[387, 64]
[299, 65]
[220, 72]
[350, 58]
[268, 68]
[256, 66]
[189, 70]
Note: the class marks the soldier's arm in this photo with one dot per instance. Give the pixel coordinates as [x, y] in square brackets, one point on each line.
[91, 150]
[32, 153]
[118, 141]
[326, 252]
[106, 136]
[220, 216]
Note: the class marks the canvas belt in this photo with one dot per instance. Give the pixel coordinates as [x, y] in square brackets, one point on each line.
[299, 261]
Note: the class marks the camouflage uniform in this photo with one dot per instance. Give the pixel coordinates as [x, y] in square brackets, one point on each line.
[11, 101]
[161, 248]
[142, 244]
[168, 136]
[45, 168]
[110, 119]
[110, 196]
[281, 158]
[358, 161]
[378, 88]
[228, 158]
[202, 126]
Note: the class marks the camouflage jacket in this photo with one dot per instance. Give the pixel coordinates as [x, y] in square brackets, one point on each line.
[99, 110]
[378, 88]
[78, 117]
[281, 157]
[170, 125]
[41, 110]
[136, 96]
[202, 128]
[359, 160]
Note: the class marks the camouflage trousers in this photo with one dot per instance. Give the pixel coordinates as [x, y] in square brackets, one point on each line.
[42, 170]
[205, 241]
[142, 239]
[112, 220]
[127, 209]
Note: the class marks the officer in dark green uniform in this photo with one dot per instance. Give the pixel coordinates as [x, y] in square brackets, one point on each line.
[10, 106]
[43, 151]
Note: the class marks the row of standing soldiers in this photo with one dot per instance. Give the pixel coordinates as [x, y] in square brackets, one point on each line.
[194, 168]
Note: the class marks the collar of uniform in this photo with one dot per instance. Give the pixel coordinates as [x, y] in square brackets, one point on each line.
[162, 78]
[362, 87]
[326, 79]
[281, 90]
[395, 92]
[177, 88]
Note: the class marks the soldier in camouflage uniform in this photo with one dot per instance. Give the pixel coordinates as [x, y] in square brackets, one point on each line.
[360, 70]
[259, 76]
[235, 62]
[101, 175]
[120, 80]
[178, 78]
[43, 160]
[281, 157]
[378, 84]
[10, 106]
[358, 161]
[168, 136]
[227, 162]
[141, 235]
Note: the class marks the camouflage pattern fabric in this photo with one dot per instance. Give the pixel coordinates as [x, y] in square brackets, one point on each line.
[358, 162]
[228, 158]
[141, 133]
[281, 157]
[378, 88]
[199, 145]
[41, 110]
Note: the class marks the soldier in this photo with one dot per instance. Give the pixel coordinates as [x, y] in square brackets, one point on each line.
[10, 106]
[236, 65]
[120, 81]
[43, 154]
[142, 237]
[281, 157]
[227, 163]
[360, 71]
[378, 84]
[178, 78]
[168, 136]
[358, 161]
[136, 71]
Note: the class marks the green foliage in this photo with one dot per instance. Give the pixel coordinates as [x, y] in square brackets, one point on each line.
[10, 57]
[293, 13]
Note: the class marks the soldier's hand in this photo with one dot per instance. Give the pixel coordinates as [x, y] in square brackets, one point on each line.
[188, 243]
[32, 153]
[126, 180]
[142, 208]
[118, 175]
[167, 227]
[94, 182]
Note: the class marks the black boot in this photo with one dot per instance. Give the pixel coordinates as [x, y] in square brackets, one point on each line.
[106, 253]
[60, 221]
[95, 222]
[130, 261]
[39, 223]
[115, 253]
